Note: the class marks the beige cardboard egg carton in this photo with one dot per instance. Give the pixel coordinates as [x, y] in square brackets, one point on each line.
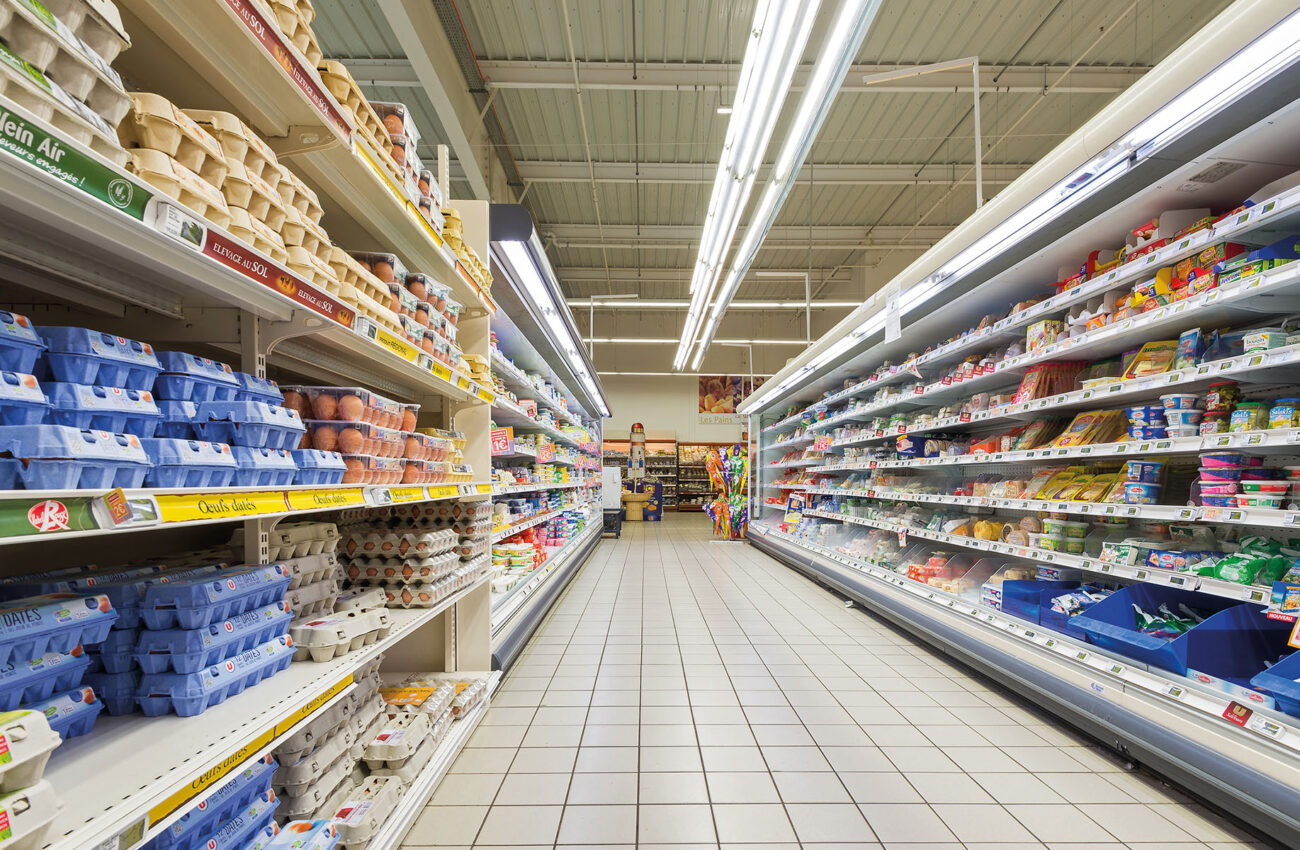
[239, 144]
[294, 193]
[296, 26]
[57, 109]
[352, 273]
[55, 50]
[252, 193]
[312, 269]
[340, 82]
[371, 309]
[155, 123]
[98, 23]
[180, 184]
[257, 235]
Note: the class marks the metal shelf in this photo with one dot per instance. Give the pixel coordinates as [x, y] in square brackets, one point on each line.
[505, 605]
[516, 380]
[507, 489]
[506, 413]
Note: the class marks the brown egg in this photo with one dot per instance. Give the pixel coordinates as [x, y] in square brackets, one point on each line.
[394, 304]
[351, 407]
[408, 419]
[418, 288]
[423, 185]
[365, 264]
[325, 438]
[383, 270]
[411, 475]
[413, 448]
[399, 154]
[422, 313]
[354, 472]
[393, 123]
[350, 441]
[324, 406]
[298, 403]
[427, 344]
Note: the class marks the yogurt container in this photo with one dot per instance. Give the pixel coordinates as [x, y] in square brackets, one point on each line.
[1140, 493]
[1145, 471]
[1183, 417]
[1181, 401]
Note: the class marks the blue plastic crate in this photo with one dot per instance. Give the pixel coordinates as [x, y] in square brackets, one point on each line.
[190, 650]
[1110, 623]
[29, 681]
[234, 794]
[263, 467]
[1028, 600]
[188, 377]
[22, 402]
[177, 420]
[250, 423]
[189, 463]
[316, 467]
[56, 457]
[1229, 649]
[253, 388]
[55, 622]
[70, 713]
[115, 690]
[306, 835]
[242, 826]
[1282, 682]
[85, 356]
[20, 345]
[189, 694]
[212, 595]
[117, 653]
[112, 409]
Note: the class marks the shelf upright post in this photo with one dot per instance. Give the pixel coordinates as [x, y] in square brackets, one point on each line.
[252, 359]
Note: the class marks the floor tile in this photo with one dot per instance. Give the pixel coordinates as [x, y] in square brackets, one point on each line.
[544, 760]
[819, 822]
[670, 759]
[672, 788]
[468, 789]
[894, 823]
[748, 787]
[817, 787]
[949, 788]
[674, 824]
[1058, 823]
[520, 825]
[532, 789]
[733, 759]
[442, 826]
[1133, 823]
[602, 788]
[881, 787]
[982, 823]
[603, 825]
[753, 822]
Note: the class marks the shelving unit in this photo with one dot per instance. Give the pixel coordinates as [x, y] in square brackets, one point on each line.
[892, 442]
[693, 487]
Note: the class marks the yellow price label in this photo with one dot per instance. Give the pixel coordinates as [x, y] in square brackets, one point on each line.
[462, 382]
[486, 396]
[484, 489]
[441, 371]
[444, 492]
[311, 706]
[406, 494]
[188, 507]
[323, 500]
[398, 346]
[210, 777]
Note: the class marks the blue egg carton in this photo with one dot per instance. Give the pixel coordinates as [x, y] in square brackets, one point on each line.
[213, 595]
[123, 589]
[22, 402]
[190, 650]
[242, 826]
[114, 409]
[261, 839]
[189, 463]
[29, 681]
[316, 467]
[70, 713]
[177, 419]
[250, 423]
[55, 622]
[117, 653]
[188, 377]
[307, 835]
[253, 388]
[85, 356]
[260, 467]
[20, 345]
[222, 804]
[115, 690]
[56, 457]
[189, 694]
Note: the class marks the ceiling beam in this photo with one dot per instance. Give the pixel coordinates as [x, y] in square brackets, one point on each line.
[836, 174]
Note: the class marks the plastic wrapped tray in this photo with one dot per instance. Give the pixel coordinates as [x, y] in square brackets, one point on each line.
[190, 650]
[54, 622]
[425, 472]
[355, 438]
[70, 713]
[396, 742]
[295, 779]
[361, 816]
[433, 698]
[258, 467]
[317, 468]
[85, 356]
[189, 463]
[188, 377]
[249, 423]
[27, 740]
[40, 677]
[154, 122]
[312, 600]
[324, 638]
[367, 469]
[423, 447]
[412, 545]
[121, 411]
[211, 596]
[20, 345]
[29, 813]
[352, 404]
[253, 388]
[95, 22]
[189, 694]
[115, 690]
[383, 570]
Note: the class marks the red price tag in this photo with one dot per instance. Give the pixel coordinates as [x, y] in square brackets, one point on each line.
[546, 452]
[503, 441]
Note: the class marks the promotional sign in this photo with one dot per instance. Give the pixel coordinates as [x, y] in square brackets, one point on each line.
[546, 452]
[503, 441]
[721, 395]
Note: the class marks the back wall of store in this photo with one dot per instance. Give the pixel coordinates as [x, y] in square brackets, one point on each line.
[667, 405]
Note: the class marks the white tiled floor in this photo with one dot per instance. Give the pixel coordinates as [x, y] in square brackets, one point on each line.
[692, 693]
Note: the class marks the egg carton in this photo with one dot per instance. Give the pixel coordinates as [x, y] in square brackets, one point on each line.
[311, 270]
[299, 232]
[51, 47]
[40, 677]
[234, 833]
[28, 814]
[239, 791]
[47, 103]
[469, 549]
[309, 569]
[397, 741]
[190, 694]
[340, 82]
[261, 838]
[27, 741]
[360, 599]
[351, 273]
[293, 781]
[306, 538]
[423, 755]
[371, 313]
[366, 731]
[243, 191]
[56, 622]
[432, 698]
[190, 650]
[241, 145]
[296, 29]
[311, 600]
[211, 595]
[371, 804]
[96, 22]
[471, 688]
[314, 795]
[315, 731]
[180, 184]
[409, 545]
[383, 570]
[324, 638]
[155, 123]
[294, 193]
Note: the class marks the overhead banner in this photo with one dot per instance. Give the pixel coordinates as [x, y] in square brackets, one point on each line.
[721, 395]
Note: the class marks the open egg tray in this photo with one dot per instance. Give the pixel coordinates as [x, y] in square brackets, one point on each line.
[295, 193]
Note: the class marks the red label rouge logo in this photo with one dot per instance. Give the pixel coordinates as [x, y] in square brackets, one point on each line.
[50, 515]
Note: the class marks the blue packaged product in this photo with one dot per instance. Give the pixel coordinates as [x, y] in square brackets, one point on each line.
[56, 457]
[316, 467]
[114, 409]
[29, 681]
[250, 423]
[20, 345]
[306, 835]
[212, 596]
[247, 820]
[177, 419]
[115, 690]
[240, 790]
[85, 356]
[56, 622]
[188, 377]
[189, 463]
[70, 713]
[260, 467]
[117, 653]
[262, 838]
[189, 694]
[253, 388]
[190, 650]
[22, 402]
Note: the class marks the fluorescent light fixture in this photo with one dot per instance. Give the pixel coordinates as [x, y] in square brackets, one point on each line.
[676, 374]
[601, 302]
[724, 110]
[634, 340]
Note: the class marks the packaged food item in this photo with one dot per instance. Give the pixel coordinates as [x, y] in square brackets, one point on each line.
[70, 713]
[318, 468]
[189, 694]
[356, 438]
[324, 638]
[211, 595]
[1152, 359]
[27, 741]
[29, 813]
[1222, 397]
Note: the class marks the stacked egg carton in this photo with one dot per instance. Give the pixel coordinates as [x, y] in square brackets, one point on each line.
[410, 566]
[382, 307]
[430, 314]
[454, 233]
[25, 796]
[239, 813]
[294, 18]
[55, 63]
[338, 79]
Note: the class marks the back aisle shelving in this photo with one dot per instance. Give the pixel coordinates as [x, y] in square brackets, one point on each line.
[978, 492]
[210, 261]
[660, 464]
[693, 484]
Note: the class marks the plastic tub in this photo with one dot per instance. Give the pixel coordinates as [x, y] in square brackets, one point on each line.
[1265, 502]
[177, 420]
[253, 388]
[21, 400]
[353, 404]
[356, 438]
[1145, 471]
[212, 595]
[318, 468]
[1219, 501]
[189, 694]
[188, 377]
[189, 463]
[1146, 414]
[85, 356]
[1111, 623]
[1147, 433]
[1141, 493]
[120, 411]
[70, 713]
[1220, 474]
[1222, 488]
[1282, 682]
[263, 467]
[1181, 401]
[28, 742]
[1275, 488]
[249, 423]
[20, 345]
[1229, 649]
[190, 650]
[1182, 417]
[1220, 459]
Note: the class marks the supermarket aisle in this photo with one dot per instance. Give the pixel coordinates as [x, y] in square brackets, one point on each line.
[695, 693]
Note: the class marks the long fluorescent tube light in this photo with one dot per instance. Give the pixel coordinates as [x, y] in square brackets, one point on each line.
[599, 303]
[850, 25]
[680, 374]
[632, 340]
